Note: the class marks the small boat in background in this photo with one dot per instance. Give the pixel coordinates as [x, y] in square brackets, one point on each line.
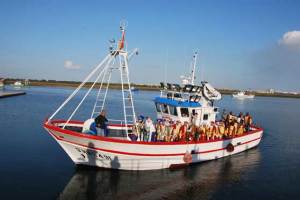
[18, 84]
[243, 95]
[133, 89]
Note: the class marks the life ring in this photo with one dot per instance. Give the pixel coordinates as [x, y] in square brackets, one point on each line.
[187, 158]
[230, 148]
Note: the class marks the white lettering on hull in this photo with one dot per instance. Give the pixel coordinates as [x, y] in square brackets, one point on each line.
[85, 153]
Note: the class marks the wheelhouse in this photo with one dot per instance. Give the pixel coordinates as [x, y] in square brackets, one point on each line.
[183, 103]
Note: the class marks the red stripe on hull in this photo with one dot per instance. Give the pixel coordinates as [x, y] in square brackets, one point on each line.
[142, 154]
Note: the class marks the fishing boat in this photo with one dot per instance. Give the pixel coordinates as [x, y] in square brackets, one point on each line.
[119, 150]
[243, 95]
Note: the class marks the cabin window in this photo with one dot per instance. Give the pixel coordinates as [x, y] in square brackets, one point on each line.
[173, 110]
[205, 117]
[177, 95]
[184, 112]
[165, 108]
[158, 107]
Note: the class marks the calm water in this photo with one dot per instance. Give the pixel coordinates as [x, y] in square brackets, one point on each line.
[33, 166]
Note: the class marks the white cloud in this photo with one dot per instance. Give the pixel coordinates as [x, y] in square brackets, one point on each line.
[291, 39]
[277, 66]
[70, 65]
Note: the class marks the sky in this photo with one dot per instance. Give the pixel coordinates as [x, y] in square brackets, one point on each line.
[241, 44]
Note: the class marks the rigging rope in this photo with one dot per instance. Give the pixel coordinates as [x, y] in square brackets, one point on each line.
[79, 87]
[105, 68]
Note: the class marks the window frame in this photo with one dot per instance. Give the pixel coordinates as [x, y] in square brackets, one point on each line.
[205, 114]
[174, 109]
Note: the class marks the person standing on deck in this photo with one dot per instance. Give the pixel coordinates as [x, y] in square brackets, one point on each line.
[240, 118]
[161, 130]
[169, 129]
[183, 132]
[175, 131]
[224, 115]
[140, 128]
[231, 117]
[196, 120]
[247, 121]
[101, 124]
[150, 129]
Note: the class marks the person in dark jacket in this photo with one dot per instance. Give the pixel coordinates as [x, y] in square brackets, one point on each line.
[101, 124]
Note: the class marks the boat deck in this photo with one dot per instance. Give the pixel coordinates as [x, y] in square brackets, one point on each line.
[120, 134]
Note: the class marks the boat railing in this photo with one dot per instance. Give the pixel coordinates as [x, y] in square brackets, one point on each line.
[119, 121]
[179, 95]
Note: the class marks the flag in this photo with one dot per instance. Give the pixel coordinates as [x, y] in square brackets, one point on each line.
[121, 42]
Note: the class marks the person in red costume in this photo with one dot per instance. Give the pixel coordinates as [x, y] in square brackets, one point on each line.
[183, 132]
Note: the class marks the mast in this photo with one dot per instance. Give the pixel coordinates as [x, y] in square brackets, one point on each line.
[128, 105]
[116, 59]
[190, 79]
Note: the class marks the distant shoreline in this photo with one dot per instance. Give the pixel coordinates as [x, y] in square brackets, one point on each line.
[145, 87]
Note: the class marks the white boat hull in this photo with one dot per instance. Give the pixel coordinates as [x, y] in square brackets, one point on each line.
[243, 97]
[126, 155]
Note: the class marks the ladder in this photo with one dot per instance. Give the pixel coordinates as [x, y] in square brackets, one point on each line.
[102, 93]
[128, 105]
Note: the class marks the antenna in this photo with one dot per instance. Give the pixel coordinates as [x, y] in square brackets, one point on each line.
[194, 67]
[123, 24]
[165, 66]
[190, 79]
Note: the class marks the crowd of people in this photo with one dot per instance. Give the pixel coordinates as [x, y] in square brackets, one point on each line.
[168, 131]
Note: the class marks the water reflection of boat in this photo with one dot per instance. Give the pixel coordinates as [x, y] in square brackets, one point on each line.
[196, 182]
